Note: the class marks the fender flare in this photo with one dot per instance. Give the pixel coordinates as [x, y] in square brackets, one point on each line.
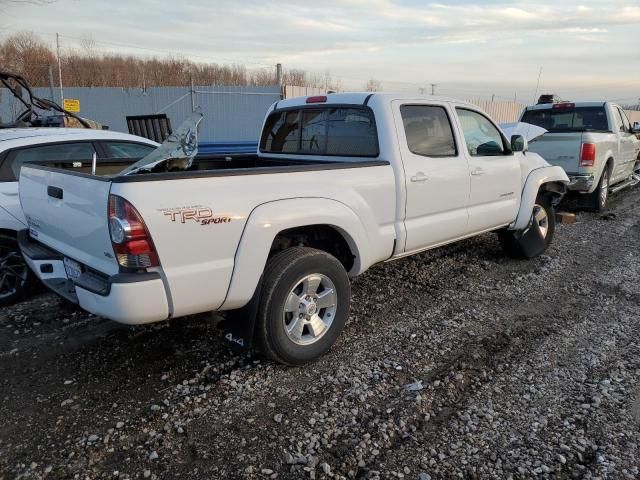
[601, 165]
[269, 219]
[534, 181]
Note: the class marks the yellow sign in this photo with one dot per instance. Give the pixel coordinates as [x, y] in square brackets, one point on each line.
[72, 105]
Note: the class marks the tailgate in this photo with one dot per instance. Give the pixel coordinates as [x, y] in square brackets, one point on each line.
[561, 149]
[68, 213]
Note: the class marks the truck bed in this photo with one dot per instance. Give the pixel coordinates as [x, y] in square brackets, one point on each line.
[208, 165]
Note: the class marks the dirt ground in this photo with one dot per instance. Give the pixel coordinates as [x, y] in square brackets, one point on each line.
[456, 363]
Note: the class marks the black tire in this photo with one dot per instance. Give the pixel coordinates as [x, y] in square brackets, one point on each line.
[16, 278]
[283, 273]
[596, 201]
[517, 244]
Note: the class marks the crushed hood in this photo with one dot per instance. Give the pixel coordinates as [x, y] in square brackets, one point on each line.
[176, 152]
[527, 130]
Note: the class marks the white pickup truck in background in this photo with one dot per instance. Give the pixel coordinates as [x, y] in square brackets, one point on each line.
[340, 182]
[594, 143]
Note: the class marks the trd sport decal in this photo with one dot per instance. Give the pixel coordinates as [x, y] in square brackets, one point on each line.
[199, 214]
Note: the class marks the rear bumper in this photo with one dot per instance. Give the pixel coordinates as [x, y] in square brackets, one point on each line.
[131, 298]
[581, 183]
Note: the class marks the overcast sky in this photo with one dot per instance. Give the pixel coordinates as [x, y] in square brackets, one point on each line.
[587, 49]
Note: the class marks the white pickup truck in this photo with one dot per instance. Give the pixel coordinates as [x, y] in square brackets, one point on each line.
[594, 143]
[340, 182]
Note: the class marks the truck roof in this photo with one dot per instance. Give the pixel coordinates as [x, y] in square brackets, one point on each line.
[77, 133]
[359, 98]
[549, 106]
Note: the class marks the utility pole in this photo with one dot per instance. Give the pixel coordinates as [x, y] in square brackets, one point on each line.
[59, 69]
[51, 83]
[422, 91]
[493, 97]
[433, 88]
[193, 98]
[279, 74]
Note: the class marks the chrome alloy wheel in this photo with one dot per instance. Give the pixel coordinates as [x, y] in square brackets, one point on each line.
[13, 272]
[310, 309]
[604, 188]
[541, 218]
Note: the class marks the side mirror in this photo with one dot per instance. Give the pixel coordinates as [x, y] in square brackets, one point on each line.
[519, 143]
[636, 127]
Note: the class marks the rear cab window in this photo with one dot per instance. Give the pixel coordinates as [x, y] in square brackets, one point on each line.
[559, 118]
[348, 131]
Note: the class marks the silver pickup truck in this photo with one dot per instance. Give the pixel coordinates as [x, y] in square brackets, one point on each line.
[593, 141]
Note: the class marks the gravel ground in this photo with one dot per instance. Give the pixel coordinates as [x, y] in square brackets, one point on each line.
[456, 363]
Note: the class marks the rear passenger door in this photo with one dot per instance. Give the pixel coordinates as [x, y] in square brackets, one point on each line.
[494, 198]
[436, 175]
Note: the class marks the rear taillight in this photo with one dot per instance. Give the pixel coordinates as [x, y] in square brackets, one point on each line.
[587, 154]
[131, 241]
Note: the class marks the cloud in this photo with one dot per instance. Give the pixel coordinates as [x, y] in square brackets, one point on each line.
[397, 40]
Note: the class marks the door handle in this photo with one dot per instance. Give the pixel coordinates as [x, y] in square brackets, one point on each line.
[419, 177]
[55, 192]
[478, 171]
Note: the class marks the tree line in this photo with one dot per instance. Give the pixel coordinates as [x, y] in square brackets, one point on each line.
[27, 54]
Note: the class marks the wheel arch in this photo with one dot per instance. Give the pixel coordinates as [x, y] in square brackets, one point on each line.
[9, 232]
[549, 179]
[319, 223]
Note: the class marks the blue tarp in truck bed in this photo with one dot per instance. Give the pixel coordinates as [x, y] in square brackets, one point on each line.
[221, 148]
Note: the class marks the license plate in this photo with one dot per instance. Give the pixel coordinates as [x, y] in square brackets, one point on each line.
[73, 269]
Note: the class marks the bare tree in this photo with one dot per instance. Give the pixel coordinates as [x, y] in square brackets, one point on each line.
[25, 53]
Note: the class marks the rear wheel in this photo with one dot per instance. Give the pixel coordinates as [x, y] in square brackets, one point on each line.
[16, 277]
[304, 305]
[598, 198]
[537, 237]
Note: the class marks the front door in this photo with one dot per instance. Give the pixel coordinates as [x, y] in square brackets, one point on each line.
[436, 175]
[628, 149]
[494, 198]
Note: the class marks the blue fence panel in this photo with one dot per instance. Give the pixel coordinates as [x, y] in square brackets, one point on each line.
[231, 114]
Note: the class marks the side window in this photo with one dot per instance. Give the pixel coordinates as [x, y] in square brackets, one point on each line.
[62, 152]
[481, 136]
[626, 126]
[127, 149]
[428, 130]
[619, 120]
